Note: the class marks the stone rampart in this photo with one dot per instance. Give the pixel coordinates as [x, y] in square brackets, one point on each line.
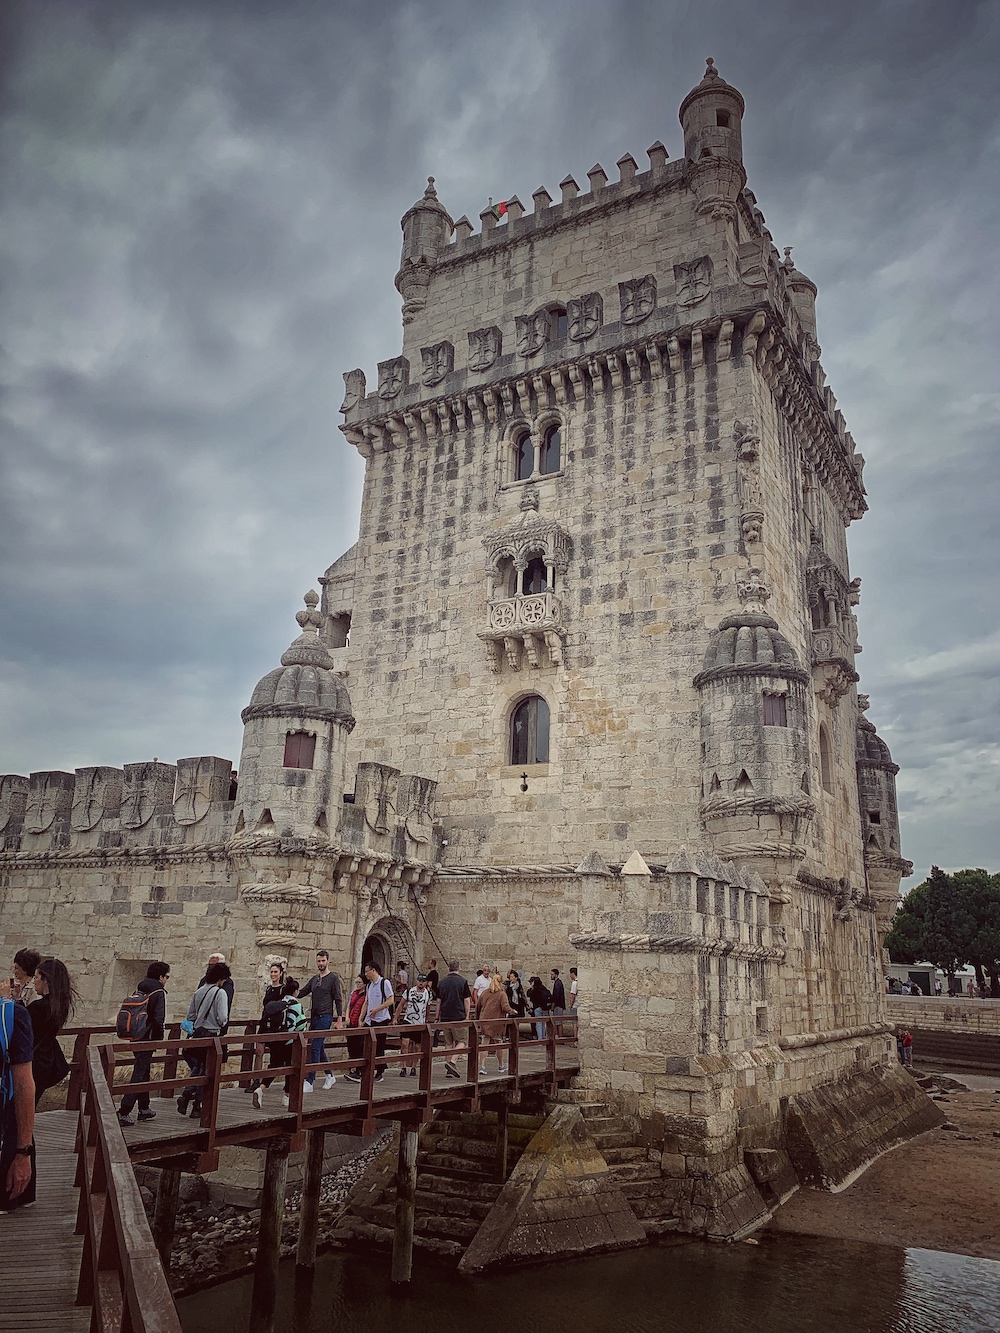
[966, 1016]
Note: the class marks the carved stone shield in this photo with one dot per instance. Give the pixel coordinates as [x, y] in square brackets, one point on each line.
[532, 332]
[50, 795]
[375, 792]
[439, 361]
[393, 377]
[355, 387]
[200, 782]
[416, 804]
[485, 345]
[694, 280]
[98, 792]
[13, 799]
[147, 788]
[584, 316]
[638, 299]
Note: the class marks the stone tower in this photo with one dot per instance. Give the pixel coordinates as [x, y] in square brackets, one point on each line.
[601, 593]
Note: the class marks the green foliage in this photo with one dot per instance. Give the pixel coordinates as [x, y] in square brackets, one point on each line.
[950, 920]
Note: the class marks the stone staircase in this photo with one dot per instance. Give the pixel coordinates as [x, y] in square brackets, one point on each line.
[636, 1170]
[457, 1183]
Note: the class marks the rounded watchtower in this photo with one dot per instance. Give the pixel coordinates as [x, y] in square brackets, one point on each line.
[712, 119]
[295, 741]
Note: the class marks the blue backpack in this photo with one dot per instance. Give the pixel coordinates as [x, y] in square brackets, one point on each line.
[6, 1034]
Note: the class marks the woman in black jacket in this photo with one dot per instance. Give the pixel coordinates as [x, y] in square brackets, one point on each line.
[539, 1003]
[516, 997]
[273, 991]
[48, 1015]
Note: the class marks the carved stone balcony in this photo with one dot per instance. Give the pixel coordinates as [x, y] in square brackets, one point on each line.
[833, 663]
[527, 626]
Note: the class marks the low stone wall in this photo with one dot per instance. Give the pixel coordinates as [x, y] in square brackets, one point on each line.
[981, 1017]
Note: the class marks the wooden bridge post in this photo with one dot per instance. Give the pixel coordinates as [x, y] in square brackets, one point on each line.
[165, 1214]
[272, 1212]
[406, 1199]
[500, 1161]
[312, 1180]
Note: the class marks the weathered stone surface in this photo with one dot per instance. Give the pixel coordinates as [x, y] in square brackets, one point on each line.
[560, 1200]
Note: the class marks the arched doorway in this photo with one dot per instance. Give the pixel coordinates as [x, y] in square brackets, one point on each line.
[388, 942]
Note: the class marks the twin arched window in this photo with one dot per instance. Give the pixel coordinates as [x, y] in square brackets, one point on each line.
[529, 731]
[549, 453]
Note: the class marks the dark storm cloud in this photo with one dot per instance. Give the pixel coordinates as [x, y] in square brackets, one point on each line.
[199, 230]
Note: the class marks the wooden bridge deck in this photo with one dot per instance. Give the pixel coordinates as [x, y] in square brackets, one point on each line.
[39, 1255]
[237, 1122]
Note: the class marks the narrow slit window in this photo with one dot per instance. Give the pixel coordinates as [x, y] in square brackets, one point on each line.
[825, 764]
[775, 710]
[300, 749]
[722, 119]
[560, 323]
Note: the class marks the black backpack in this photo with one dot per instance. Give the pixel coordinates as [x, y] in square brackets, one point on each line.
[132, 1023]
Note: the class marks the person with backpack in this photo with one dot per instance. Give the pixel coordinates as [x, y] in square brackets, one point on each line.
[207, 1016]
[539, 1003]
[412, 1010]
[377, 1012]
[142, 1018]
[283, 1013]
[17, 1108]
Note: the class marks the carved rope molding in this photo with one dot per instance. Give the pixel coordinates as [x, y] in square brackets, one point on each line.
[677, 944]
[797, 1042]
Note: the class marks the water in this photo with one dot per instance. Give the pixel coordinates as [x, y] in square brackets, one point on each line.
[784, 1284]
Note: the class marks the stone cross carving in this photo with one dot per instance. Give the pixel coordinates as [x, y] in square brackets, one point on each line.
[485, 345]
[13, 799]
[98, 792]
[439, 361]
[532, 332]
[200, 782]
[393, 377]
[354, 389]
[694, 280]
[638, 299]
[49, 795]
[584, 316]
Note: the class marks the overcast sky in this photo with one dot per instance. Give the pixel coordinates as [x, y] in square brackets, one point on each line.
[200, 208]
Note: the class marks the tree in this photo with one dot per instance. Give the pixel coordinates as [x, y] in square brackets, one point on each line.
[950, 920]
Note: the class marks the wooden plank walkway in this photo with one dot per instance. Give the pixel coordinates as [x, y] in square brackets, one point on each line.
[39, 1255]
[238, 1122]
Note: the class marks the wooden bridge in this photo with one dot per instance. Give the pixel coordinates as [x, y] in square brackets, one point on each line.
[110, 1271]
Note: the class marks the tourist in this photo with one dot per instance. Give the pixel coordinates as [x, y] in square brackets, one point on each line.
[433, 977]
[355, 1040]
[492, 1007]
[324, 987]
[402, 978]
[481, 982]
[154, 988]
[228, 987]
[17, 1108]
[20, 986]
[937, 986]
[558, 998]
[908, 1049]
[282, 1013]
[376, 1013]
[539, 1003]
[516, 997]
[455, 1004]
[412, 1011]
[272, 991]
[207, 1016]
[574, 996]
[48, 1014]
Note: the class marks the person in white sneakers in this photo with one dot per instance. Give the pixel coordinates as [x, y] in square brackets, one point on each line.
[481, 983]
[377, 1013]
[324, 987]
[412, 1010]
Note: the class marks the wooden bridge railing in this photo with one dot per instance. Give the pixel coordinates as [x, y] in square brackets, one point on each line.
[121, 1276]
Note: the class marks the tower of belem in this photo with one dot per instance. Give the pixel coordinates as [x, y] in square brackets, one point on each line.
[587, 679]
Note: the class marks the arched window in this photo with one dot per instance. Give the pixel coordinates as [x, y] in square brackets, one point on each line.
[529, 731]
[524, 457]
[535, 577]
[551, 451]
[825, 764]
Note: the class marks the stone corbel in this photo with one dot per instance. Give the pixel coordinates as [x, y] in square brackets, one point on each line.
[541, 388]
[653, 357]
[512, 647]
[523, 390]
[356, 436]
[444, 417]
[615, 370]
[555, 647]
[531, 650]
[576, 379]
[429, 417]
[596, 369]
[397, 431]
[557, 379]
[752, 332]
[697, 350]
[634, 365]
[674, 354]
[724, 346]
[491, 405]
[493, 655]
[507, 396]
[475, 406]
